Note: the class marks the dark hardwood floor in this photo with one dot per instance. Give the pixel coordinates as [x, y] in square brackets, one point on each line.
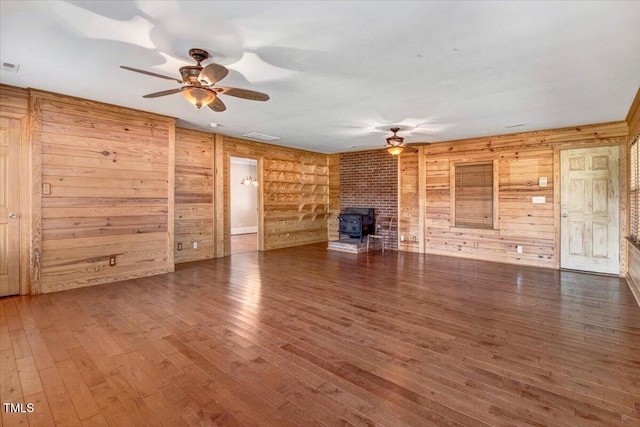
[310, 337]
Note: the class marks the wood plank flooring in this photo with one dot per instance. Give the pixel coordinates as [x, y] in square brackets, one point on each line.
[310, 337]
[242, 243]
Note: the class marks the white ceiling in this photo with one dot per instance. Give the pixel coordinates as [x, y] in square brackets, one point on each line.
[341, 73]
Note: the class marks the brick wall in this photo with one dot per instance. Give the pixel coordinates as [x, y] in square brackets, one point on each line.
[369, 179]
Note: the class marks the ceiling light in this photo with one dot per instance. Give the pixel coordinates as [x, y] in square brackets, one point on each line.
[251, 178]
[198, 96]
[213, 125]
[395, 143]
[395, 150]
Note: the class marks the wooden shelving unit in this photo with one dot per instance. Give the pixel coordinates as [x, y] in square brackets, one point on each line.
[296, 199]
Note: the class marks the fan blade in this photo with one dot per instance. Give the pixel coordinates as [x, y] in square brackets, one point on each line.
[162, 93]
[213, 73]
[242, 93]
[217, 105]
[149, 73]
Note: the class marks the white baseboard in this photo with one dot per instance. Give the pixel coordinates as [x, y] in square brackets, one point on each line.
[244, 230]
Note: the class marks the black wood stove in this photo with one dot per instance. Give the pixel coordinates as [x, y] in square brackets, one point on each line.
[356, 222]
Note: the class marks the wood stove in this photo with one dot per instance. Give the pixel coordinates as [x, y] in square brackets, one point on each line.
[356, 222]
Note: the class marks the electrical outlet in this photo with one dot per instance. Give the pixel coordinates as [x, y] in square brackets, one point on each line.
[415, 239]
[112, 260]
[179, 246]
[195, 245]
[519, 249]
[475, 245]
[402, 238]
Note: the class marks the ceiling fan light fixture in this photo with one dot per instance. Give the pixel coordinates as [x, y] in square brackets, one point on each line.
[198, 84]
[198, 96]
[395, 143]
[395, 150]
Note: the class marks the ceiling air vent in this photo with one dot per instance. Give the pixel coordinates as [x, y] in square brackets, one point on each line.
[261, 136]
[12, 68]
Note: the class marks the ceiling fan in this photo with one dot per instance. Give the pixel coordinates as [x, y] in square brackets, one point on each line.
[199, 83]
[395, 143]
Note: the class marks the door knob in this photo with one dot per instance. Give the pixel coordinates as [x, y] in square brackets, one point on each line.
[14, 215]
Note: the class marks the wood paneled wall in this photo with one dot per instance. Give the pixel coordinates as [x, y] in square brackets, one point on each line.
[633, 274]
[14, 102]
[409, 202]
[521, 159]
[105, 189]
[293, 189]
[334, 197]
[633, 118]
[194, 210]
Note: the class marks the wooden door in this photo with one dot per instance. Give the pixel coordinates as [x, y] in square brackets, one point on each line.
[590, 210]
[9, 206]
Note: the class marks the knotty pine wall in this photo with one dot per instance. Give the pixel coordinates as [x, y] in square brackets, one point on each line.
[522, 159]
[409, 202]
[293, 191]
[105, 180]
[104, 187]
[369, 179]
[194, 209]
[633, 274]
[334, 197]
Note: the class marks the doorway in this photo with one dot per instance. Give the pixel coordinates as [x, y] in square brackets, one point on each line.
[590, 210]
[10, 134]
[244, 210]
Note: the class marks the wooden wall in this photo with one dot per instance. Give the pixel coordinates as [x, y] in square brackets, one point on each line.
[409, 202]
[521, 159]
[633, 275]
[194, 210]
[104, 187]
[633, 118]
[334, 197]
[293, 189]
[14, 102]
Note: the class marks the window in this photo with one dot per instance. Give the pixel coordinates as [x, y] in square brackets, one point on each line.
[473, 195]
[634, 188]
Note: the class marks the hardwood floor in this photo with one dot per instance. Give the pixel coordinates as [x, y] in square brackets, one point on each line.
[243, 243]
[310, 337]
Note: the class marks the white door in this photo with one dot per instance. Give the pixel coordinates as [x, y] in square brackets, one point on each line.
[9, 206]
[590, 218]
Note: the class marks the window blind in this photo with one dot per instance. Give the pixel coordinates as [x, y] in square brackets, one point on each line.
[634, 184]
[474, 195]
